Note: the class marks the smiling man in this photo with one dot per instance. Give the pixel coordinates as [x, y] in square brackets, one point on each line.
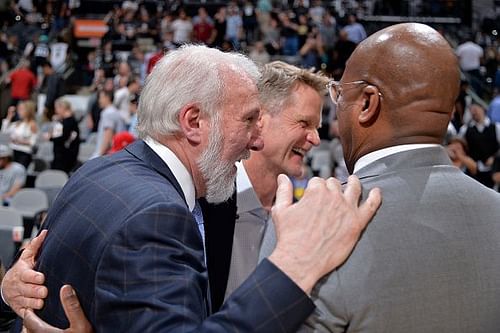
[292, 100]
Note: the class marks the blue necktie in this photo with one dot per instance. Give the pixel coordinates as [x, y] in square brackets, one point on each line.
[198, 216]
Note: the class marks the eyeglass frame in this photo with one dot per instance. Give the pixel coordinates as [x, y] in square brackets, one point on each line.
[333, 83]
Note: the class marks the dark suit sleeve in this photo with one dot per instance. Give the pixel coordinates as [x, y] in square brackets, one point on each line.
[151, 277]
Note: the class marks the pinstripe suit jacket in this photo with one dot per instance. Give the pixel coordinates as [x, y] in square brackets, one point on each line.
[428, 262]
[120, 232]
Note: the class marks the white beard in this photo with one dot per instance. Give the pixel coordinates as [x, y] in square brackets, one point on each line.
[219, 175]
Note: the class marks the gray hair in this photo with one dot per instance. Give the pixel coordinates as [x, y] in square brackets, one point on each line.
[191, 74]
[279, 79]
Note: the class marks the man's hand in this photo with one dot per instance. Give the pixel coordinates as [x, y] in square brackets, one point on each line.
[317, 234]
[78, 323]
[22, 287]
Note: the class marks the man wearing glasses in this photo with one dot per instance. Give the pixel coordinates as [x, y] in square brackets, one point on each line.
[429, 261]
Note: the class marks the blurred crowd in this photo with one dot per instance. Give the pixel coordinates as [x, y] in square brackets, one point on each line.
[41, 62]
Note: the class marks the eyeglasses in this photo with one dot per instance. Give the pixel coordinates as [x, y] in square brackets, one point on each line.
[335, 88]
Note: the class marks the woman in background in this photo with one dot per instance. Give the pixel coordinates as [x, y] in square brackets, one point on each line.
[23, 133]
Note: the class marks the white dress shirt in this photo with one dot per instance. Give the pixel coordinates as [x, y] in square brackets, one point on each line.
[178, 169]
[378, 154]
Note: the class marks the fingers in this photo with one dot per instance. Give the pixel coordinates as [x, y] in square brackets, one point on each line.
[352, 191]
[333, 184]
[28, 275]
[284, 193]
[34, 246]
[73, 310]
[368, 209]
[34, 324]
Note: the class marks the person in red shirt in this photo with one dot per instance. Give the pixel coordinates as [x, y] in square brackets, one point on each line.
[22, 81]
[203, 27]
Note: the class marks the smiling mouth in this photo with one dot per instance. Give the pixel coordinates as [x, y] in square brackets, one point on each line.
[299, 151]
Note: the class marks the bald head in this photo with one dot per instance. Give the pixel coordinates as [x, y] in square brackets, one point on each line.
[416, 77]
[409, 62]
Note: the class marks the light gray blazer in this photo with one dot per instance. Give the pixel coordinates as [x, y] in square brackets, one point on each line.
[428, 262]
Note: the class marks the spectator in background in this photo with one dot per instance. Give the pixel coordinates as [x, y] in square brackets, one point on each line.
[120, 141]
[458, 152]
[88, 68]
[483, 139]
[341, 52]
[494, 108]
[41, 53]
[491, 61]
[53, 87]
[137, 63]
[122, 98]
[182, 28]
[462, 104]
[301, 7]
[355, 31]
[272, 38]
[23, 132]
[259, 53]
[58, 54]
[312, 52]
[328, 32]
[203, 27]
[93, 108]
[146, 27]
[234, 25]
[470, 55]
[220, 25]
[263, 11]
[22, 83]
[121, 78]
[316, 12]
[250, 21]
[303, 29]
[156, 57]
[134, 101]
[65, 135]
[106, 58]
[12, 175]
[110, 123]
[289, 35]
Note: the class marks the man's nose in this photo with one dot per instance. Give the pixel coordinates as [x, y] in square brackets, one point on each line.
[313, 137]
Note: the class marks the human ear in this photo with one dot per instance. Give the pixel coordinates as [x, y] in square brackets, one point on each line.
[190, 123]
[371, 105]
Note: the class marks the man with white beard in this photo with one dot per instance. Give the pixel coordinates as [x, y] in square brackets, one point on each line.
[126, 231]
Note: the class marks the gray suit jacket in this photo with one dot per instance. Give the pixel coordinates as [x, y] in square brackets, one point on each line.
[428, 262]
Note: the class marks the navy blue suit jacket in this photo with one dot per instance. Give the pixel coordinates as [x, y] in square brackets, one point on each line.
[121, 233]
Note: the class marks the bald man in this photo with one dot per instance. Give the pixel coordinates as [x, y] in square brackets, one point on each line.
[430, 259]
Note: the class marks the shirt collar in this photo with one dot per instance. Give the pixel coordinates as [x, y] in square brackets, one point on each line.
[481, 126]
[378, 154]
[246, 197]
[178, 169]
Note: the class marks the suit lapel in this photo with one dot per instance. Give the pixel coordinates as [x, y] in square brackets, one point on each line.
[142, 151]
